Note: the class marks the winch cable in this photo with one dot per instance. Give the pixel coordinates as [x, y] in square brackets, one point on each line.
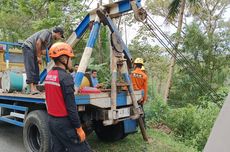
[150, 24]
[194, 72]
[181, 55]
[170, 51]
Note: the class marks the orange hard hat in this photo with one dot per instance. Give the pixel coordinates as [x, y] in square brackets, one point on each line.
[60, 48]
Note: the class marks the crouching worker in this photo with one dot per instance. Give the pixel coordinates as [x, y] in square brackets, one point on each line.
[64, 123]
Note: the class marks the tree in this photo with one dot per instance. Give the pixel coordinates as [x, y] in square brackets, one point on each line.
[211, 18]
[177, 6]
[155, 62]
[20, 19]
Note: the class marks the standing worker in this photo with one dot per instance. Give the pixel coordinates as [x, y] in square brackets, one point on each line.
[143, 69]
[74, 73]
[64, 123]
[33, 48]
[140, 79]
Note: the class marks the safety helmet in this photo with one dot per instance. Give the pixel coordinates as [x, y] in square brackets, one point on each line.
[139, 60]
[60, 48]
[143, 68]
[85, 82]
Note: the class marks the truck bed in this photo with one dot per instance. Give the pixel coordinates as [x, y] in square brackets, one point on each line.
[101, 100]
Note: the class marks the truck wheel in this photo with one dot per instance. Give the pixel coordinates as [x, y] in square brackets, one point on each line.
[109, 133]
[35, 132]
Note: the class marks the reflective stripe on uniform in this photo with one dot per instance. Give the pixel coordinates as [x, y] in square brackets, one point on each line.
[52, 83]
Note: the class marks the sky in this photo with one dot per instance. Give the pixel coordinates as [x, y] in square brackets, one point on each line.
[132, 31]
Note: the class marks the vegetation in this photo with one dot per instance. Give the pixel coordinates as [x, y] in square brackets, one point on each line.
[201, 34]
[161, 142]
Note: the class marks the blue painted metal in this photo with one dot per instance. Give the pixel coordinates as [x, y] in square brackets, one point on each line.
[130, 126]
[79, 99]
[142, 93]
[43, 76]
[82, 100]
[14, 122]
[124, 6]
[10, 43]
[138, 2]
[122, 99]
[80, 30]
[85, 99]
[78, 78]
[20, 108]
[7, 54]
[23, 99]
[90, 44]
[44, 72]
[93, 35]
[47, 56]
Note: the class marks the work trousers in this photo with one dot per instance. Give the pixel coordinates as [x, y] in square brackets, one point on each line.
[31, 65]
[64, 138]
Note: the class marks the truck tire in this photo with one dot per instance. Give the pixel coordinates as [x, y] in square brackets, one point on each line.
[109, 133]
[36, 132]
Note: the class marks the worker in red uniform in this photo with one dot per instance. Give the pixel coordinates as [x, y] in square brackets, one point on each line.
[64, 123]
[139, 79]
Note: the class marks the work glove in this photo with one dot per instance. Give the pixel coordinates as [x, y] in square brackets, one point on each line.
[80, 132]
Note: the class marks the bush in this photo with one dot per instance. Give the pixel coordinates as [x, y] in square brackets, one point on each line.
[156, 110]
[192, 124]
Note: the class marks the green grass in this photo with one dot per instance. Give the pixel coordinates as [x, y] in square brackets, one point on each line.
[161, 142]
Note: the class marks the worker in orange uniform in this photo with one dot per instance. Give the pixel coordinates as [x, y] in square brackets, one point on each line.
[139, 79]
[143, 69]
[64, 123]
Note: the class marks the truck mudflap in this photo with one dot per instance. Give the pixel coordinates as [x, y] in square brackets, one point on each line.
[130, 126]
[115, 132]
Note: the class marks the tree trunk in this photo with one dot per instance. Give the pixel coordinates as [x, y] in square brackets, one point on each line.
[100, 42]
[159, 86]
[173, 60]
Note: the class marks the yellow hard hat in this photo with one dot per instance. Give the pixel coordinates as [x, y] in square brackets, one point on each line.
[139, 60]
[85, 82]
[143, 68]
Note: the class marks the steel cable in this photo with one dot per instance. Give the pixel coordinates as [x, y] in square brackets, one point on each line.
[190, 68]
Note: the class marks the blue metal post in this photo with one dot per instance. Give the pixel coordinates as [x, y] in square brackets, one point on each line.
[87, 54]
[80, 30]
[47, 56]
[7, 56]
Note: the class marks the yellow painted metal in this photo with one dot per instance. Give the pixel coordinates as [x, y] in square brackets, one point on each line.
[11, 65]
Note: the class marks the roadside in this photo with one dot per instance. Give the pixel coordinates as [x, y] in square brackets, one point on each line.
[11, 138]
